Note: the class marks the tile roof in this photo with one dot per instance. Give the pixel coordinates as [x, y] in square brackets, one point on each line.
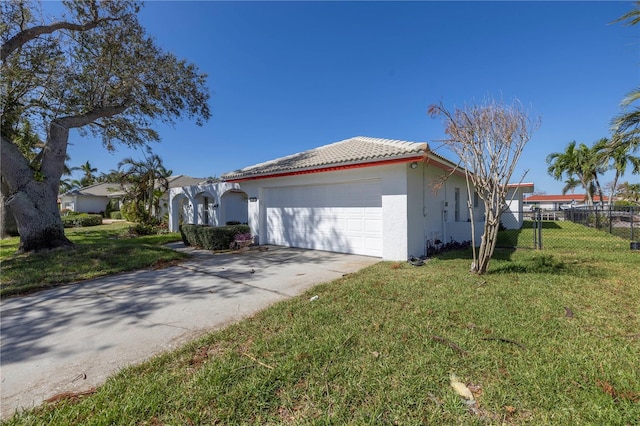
[357, 150]
[115, 190]
[178, 181]
[97, 190]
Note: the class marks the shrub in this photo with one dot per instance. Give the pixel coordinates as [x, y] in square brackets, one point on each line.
[209, 237]
[141, 229]
[116, 215]
[133, 212]
[81, 219]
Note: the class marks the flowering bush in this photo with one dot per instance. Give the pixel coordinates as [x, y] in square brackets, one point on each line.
[244, 237]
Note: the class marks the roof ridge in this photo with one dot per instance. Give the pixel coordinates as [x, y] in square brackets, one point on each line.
[357, 149]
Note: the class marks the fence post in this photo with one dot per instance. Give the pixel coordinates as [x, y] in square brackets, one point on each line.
[632, 218]
[610, 224]
[540, 231]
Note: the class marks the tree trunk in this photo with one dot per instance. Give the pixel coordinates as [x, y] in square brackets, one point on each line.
[8, 225]
[33, 194]
[488, 244]
[39, 224]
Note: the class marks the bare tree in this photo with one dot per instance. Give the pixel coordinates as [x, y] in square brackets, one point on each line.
[489, 139]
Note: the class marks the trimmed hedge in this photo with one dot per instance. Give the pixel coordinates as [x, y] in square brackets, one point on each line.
[82, 219]
[211, 237]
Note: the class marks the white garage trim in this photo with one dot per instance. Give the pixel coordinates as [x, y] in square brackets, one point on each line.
[342, 217]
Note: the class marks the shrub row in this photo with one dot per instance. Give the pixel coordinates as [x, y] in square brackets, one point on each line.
[82, 219]
[210, 237]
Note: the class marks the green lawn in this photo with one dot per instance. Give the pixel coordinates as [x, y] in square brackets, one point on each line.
[549, 337]
[100, 250]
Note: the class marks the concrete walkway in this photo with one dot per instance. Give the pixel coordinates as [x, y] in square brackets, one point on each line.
[71, 338]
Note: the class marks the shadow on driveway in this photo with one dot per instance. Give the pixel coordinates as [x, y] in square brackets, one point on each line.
[93, 328]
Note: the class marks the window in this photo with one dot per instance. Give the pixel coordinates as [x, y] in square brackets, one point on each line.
[206, 210]
[456, 206]
[476, 200]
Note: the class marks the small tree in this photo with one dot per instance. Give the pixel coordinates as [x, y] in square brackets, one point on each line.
[488, 139]
[144, 183]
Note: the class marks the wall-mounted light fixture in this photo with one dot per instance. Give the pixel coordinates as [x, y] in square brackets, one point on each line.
[253, 199]
[215, 206]
[413, 165]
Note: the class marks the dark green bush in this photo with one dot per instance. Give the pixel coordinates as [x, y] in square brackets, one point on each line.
[115, 215]
[210, 237]
[133, 212]
[141, 229]
[81, 219]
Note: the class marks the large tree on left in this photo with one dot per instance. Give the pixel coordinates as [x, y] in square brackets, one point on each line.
[94, 70]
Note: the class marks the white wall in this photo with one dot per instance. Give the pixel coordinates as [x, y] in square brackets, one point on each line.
[193, 196]
[394, 201]
[413, 210]
[430, 219]
[234, 207]
[90, 204]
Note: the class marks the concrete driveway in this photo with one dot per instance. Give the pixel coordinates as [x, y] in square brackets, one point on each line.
[71, 338]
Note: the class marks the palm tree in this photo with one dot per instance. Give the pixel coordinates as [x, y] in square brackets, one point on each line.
[629, 192]
[627, 123]
[596, 162]
[88, 177]
[620, 157]
[145, 181]
[570, 184]
[632, 17]
[575, 164]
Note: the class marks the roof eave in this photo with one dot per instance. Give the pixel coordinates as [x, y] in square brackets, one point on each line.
[407, 158]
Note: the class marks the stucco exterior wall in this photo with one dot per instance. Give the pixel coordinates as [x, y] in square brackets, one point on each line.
[188, 203]
[418, 206]
[90, 204]
[439, 210]
[394, 200]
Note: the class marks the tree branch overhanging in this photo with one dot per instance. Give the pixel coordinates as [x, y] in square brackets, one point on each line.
[29, 34]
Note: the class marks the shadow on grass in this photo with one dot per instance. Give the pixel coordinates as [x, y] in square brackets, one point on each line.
[546, 224]
[536, 264]
[531, 262]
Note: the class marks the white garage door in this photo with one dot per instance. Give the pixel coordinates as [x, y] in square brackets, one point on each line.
[344, 217]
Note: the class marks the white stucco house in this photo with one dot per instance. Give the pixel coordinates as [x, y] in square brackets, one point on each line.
[94, 198]
[90, 199]
[375, 197]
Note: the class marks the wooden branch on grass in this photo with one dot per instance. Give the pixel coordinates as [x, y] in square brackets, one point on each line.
[500, 339]
[449, 343]
[251, 357]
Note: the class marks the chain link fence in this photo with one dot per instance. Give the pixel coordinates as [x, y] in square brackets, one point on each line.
[609, 227]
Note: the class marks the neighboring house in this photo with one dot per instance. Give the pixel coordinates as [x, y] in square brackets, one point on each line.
[375, 197]
[94, 198]
[556, 202]
[513, 217]
[90, 199]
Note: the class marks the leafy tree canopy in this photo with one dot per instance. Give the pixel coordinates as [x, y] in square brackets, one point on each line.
[94, 69]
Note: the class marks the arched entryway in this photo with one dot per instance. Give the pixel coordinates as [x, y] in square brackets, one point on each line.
[234, 207]
[182, 211]
[206, 206]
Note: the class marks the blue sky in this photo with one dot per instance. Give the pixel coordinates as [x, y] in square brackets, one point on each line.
[290, 76]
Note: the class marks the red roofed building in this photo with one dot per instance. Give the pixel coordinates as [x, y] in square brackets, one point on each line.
[558, 202]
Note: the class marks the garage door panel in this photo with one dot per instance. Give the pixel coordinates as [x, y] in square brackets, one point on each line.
[344, 217]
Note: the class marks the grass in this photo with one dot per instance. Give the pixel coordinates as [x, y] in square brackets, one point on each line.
[568, 235]
[99, 251]
[548, 337]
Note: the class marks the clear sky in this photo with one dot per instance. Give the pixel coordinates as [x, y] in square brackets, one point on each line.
[290, 76]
